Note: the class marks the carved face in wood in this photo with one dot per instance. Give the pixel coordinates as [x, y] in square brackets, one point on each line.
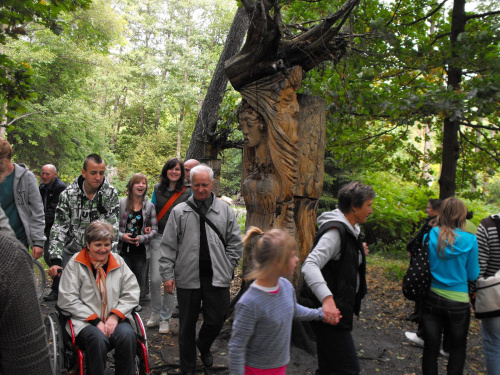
[253, 128]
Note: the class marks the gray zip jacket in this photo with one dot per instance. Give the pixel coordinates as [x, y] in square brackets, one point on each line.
[180, 245]
[29, 205]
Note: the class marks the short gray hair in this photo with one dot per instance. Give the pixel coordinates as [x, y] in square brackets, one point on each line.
[354, 194]
[99, 230]
[202, 168]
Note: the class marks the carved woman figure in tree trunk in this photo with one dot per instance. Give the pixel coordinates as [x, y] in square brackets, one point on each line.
[268, 121]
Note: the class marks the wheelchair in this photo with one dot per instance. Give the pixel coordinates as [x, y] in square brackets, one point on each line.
[67, 359]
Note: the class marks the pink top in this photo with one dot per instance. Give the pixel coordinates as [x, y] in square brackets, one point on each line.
[268, 371]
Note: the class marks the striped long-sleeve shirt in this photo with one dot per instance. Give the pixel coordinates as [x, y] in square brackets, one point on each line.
[488, 240]
[262, 327]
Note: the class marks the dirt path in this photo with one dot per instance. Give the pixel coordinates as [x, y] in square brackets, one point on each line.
[378, 334]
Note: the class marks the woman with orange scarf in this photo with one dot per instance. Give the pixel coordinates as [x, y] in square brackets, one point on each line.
[99, 291]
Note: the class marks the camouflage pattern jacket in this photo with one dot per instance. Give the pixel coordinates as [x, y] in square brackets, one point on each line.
[75, 212]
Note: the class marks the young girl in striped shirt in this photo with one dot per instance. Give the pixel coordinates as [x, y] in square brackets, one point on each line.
[260, 340]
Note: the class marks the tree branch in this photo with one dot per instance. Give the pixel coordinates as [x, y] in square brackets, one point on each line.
[394, 13]
[497, 158]
[20, 117]
[427, 16]
[472, 16]
[439, 37]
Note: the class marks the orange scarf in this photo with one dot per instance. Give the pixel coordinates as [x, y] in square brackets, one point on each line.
[101, 284]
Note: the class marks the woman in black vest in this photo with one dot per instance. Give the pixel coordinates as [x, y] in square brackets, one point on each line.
[168, 193]
[335, 273]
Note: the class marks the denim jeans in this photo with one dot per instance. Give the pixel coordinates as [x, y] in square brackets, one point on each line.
[96, 346]
[215, 304]
[491, 344]
[336, 351]
[163, 306]
[440, 313]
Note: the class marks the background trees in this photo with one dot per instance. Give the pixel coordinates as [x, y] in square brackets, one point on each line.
[130, 80]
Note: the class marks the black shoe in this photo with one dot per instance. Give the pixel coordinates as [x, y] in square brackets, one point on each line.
[52, 296]
[206, 358]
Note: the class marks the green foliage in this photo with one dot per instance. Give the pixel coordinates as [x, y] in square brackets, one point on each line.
[230, 178]
[398, 211]
[15, 15]
[394, 265]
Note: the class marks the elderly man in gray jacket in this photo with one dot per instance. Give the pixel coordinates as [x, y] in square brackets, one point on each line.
[200, 263]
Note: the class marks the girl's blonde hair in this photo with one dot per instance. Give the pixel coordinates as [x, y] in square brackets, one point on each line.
[272, 252]
[451, 216]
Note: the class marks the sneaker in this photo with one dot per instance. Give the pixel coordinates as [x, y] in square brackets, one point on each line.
[443, 353]
[52, 296]
[154, 320]
[164, 326]
[414, 339]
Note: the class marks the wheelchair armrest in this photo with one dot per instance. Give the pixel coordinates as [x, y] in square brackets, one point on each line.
[137, 309]
[63, 313]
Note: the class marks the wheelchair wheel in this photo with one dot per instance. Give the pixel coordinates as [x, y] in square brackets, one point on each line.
[54, 332]
[39, 277]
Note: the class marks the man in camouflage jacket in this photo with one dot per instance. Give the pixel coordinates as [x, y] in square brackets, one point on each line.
[90, 197]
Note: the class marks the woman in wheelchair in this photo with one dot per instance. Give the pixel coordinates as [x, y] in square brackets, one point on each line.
[100, 291]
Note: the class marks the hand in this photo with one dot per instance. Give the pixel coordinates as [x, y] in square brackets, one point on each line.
[330, 321]
[110, 325]
[101, 327]
[127, 237]
[365, 247]
[169, 286]
[330, 312]
[37, 252]
[147, 230]
[54, 270]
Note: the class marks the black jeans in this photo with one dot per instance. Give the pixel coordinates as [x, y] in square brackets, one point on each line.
[336, 351]
[136, 263]
[96, 347]
[440, 313]
[215, 304]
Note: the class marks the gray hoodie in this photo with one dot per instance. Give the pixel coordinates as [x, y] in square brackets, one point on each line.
[29, 205]
[327, 248]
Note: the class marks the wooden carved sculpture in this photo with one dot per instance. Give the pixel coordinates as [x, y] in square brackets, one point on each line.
[284, 132]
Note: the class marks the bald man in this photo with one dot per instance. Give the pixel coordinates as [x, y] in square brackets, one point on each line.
[188, 165]
[50, 189]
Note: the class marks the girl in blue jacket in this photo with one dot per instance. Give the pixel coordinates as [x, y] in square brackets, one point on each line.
[453, 257]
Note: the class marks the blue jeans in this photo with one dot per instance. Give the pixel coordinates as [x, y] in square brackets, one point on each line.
[440, 313]
[491, 344]
[215, 304]
[96, 346]
[336, 351]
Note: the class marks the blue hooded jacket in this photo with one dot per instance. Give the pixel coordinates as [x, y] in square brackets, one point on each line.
[460, 263]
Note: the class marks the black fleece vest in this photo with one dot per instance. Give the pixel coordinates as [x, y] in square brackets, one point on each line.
[341, 275]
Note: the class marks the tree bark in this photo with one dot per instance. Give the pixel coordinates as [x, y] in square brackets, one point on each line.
[203, 144]
[451, 149]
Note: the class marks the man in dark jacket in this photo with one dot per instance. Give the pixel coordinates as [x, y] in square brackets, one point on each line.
[50, 189]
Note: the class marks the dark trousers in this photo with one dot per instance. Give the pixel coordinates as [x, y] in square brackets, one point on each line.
[440, 313]
[336, 351]
[215, 304]
[137, 264]
[96, 346]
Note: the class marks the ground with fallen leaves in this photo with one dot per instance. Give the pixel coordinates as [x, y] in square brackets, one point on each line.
[378, 334]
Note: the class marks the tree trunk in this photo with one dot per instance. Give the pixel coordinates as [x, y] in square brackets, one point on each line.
[451, 149]
[206, 123]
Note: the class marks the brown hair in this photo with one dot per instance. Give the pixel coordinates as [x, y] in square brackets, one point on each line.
[136, 178]
[451, 216]
[272, 251]
[99, 230]
[5, 149]
[354, 194]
